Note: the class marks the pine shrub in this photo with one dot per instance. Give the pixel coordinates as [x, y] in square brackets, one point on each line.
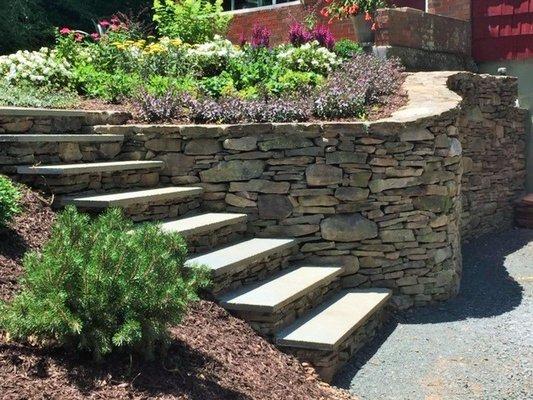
[9, 201]
[100, 286]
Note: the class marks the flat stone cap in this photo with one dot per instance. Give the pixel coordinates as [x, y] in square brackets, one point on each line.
[327, 326]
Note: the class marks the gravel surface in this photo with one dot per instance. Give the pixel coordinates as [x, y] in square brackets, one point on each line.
[476, 346]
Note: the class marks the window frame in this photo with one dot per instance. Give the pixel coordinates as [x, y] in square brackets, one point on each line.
[265, 7]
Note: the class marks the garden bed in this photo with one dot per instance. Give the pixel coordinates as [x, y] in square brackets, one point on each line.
[212, 355]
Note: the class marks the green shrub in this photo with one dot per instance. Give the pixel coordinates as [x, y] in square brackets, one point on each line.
[193, 21]
[9, 201]
[346, 48]
[111, 87]
[102, 286]
[29, 96]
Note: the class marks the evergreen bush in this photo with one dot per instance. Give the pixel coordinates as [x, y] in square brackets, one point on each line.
[9, 201]
[102, 286]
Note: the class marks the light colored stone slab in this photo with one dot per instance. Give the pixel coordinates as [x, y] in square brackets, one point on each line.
[124, 199]
[202, 223]
[73, 169]
[51, 112]
[276, 292]
[241, 254]
[327, 326]
[60, 138]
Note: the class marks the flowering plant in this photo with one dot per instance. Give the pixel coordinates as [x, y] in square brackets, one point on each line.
[299, 34]
[36, 68]
[211, 57]
[340, 9]
[309, 57]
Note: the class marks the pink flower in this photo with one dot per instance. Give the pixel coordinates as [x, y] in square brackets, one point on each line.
[95, 36]
[78, 37]
[65, 31]
[104, 23]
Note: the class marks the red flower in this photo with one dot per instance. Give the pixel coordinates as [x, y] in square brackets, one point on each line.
[368, 17]
[65, 31]
[374, 26]
[95, 36]
[324, 12]
[78, 37]
[104, 23]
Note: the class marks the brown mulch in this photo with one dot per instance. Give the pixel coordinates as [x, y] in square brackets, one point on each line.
[213, 355]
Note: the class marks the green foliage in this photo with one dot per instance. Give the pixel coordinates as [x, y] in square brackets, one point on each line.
[9, 201]
[160, 85]
[29, 96]
[217, 86]
[30, 24]
[294, 81]
[111, 87]
[102, 286]
[346, 48]
[193, 21]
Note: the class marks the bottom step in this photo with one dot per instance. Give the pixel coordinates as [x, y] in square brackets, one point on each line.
[330, 334]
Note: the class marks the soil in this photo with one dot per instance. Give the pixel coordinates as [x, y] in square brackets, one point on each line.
[385, 109]
[212, 355]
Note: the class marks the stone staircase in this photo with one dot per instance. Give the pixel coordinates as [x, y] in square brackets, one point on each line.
[299, 305]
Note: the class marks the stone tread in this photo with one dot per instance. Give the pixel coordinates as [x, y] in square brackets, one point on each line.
[327, 326]
[59, 138]
[280, 290]
[52, 112]
[233, 257]
[82, 168]
[200, 224]
[123, 199]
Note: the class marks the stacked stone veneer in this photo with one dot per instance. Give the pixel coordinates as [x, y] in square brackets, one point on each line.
[493, 133]
[386, 199]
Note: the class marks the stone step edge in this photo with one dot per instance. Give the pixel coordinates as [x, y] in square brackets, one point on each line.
[55, 112]
[60, 138]
[87, 168]
[307, 345]
[124, 199]
[236, 265]
[330, 274]
[180, 225]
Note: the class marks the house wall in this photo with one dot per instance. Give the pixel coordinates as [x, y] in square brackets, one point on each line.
[460, 9]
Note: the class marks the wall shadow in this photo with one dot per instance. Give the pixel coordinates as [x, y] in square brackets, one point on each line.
[487, 290]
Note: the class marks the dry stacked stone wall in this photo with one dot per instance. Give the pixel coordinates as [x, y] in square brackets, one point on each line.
[383, 199]
[493, 133]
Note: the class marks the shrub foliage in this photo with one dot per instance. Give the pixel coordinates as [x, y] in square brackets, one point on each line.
[100, 286]
[9, 200]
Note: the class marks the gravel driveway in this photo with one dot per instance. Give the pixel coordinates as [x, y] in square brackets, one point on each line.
[476, 346]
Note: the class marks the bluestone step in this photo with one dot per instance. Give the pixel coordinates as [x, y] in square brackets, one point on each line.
[90, 168]
[234, 257]
[34, 138]
[276, 292]
[124, 199]
[203, 223]
[327, 326]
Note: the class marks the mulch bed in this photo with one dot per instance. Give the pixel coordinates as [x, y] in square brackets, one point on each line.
[212, 356]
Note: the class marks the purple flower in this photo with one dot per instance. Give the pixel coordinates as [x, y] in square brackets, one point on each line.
[260, 35]
[323, 35]
[298, 34]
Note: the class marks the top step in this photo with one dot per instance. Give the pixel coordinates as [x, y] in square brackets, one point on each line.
[327, 326]
[89, 168]
[56, 112]
[55, 138]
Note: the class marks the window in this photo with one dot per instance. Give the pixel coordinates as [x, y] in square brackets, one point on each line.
[230, 5]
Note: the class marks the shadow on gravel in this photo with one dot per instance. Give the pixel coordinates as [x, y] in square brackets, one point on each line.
[487, 290]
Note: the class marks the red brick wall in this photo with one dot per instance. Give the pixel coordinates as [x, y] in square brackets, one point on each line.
[452, 8]
[278, 19]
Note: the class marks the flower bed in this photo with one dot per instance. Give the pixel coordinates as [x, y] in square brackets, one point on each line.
[184, 70]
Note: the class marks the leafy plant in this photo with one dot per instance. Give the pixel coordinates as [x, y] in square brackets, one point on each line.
[9, 201]
[346, 48]
[193, 21]
[309, 57]
[324, 37]
[111, 87]
[162, 108]
[260, 36]
[101, 286]
[29, 96]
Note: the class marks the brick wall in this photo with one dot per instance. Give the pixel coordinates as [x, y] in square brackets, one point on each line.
[460, 9]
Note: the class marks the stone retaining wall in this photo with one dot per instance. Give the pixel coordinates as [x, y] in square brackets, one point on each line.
[493, 133]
